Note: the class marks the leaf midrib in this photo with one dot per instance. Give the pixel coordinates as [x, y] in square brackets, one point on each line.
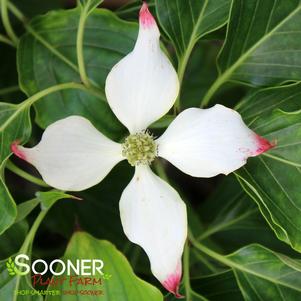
[234, 265]
[226, 74]
[249, 271]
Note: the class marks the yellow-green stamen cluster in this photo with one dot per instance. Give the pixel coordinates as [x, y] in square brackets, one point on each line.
[139, 148]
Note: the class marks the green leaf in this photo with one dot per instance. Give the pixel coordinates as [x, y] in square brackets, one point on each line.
[46, 199]
[217, 287]
[265, 275]
[106, 40]
[49, 198]
[273, 178]
[233, 220]
[263, 42]
[12, 239]
[123, 283]
[8, 210]
[262, 274]
[185, 22]
[265, 101]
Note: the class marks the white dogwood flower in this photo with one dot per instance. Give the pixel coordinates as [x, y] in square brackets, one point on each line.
[72, 155]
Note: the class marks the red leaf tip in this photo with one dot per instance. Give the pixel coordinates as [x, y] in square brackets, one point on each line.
[16, 150]
[172, 282]
[146, 18]
[263, 145]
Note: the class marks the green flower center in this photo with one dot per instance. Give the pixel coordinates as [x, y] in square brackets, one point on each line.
[139, 148]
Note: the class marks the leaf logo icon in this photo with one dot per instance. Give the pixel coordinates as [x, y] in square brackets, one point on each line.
[12, 270]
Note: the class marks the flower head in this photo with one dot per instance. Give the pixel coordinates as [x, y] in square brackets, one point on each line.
[139, 148]
[141, 88]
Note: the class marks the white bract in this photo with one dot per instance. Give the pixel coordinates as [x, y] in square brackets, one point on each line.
[141, 88]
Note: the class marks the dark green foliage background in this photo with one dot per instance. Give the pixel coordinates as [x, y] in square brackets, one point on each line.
[245, 229]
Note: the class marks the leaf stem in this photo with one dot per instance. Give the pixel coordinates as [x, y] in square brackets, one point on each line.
[186, 277]
[208, 251]
[5, 40]
[224, 225]
[6, 22]
[80, 46]
[29, 240]
[53, 89]
[214, 87]
[16, 12]
[206, 262]
[31, 234]
[31, 100]
[23, 174]
[183, 61]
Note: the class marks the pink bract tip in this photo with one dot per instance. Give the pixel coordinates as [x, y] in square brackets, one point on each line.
[145, 17]
[15, 149]
[263, 145]
[172, 283]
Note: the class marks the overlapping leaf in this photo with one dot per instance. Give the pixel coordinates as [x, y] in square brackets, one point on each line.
[265, 275]
[260, 274]
[263, 42]
[273, 180]
[233, 220]
[186, 22]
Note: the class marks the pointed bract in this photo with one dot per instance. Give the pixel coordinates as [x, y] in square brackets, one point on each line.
[154, 217]
[146, 19]
[72, 154]
[143, 86]
[208, 142]
[172, 282]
